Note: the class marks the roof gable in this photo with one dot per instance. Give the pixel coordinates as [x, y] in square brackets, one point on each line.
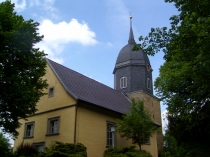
[89, 90]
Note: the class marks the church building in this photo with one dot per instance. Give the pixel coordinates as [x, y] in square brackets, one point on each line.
[78, 109]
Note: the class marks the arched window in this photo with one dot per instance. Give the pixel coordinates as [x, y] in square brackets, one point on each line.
[123, 82]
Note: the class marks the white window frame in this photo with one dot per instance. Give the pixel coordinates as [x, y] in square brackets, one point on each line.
[29, 130]
[147, 140]
[53, 126]
[51, 91]
[123, 82]
[149, 83]
[40, 146]
[111, 139]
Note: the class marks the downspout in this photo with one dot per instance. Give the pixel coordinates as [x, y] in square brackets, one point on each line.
[75, 124]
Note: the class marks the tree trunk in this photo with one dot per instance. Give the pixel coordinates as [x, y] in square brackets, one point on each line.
[139, 146]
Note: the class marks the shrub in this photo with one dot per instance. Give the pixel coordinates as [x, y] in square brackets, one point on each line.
[59, 149]
[126, 152]
[26, 149]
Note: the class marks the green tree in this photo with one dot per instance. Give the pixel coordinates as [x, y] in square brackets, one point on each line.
[170, 146]
[21, 68]
[184, 80]
[137, 125]
[5, 147]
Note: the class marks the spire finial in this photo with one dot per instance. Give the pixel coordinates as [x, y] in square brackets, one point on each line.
[131, 38]
[130, 15]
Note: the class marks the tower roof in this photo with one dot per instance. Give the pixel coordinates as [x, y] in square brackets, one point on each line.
[132, 70]
[129, 57]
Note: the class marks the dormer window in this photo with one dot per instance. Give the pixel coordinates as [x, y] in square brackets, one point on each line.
[123, 82]
[148, 83]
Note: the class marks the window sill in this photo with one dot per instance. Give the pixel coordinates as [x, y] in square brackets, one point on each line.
[110, 146]
[28, 137]
[52, 134]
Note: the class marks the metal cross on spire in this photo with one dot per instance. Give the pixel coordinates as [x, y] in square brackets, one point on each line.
[131, 37]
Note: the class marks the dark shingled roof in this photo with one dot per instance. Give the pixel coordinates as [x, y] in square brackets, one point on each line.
[129, 57]
[88, 90]
[135, 57]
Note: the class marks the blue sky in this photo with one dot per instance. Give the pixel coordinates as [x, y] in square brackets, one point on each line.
[87, 35]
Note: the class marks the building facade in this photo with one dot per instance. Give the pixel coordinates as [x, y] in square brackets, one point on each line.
[77, 109]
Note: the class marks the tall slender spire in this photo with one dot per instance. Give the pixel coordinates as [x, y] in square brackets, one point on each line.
[131, 37]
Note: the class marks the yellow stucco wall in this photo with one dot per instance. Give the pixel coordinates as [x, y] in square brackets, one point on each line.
[153, 105]
[66, 127]
[61, 97]
[91, 131]
[61, 104]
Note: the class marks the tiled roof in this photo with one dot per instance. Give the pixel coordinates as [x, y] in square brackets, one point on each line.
[89, 90]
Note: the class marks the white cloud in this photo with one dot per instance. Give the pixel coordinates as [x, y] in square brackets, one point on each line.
[110, 44]
[63, 32]
[57, 35]
[34, 3]
[46, 5]
[118, 14]
[19, 4]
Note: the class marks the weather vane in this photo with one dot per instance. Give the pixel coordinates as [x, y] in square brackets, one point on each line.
[130, 15]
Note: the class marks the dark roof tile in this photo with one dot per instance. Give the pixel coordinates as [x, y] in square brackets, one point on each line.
[89, 90]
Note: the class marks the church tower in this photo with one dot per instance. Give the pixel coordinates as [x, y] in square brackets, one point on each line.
[132, 70]
[133, 77]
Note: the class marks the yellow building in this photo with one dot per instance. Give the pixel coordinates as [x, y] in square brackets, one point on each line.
[77, 109]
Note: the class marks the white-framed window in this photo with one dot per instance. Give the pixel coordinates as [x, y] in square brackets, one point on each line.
[29, 130]
[53, 125]
[147, 140]
[111, 134]
[51, 92]
[148, 83]
[123, 82]
[39, 146]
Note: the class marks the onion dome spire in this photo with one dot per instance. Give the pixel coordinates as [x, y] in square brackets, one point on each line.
[131, 37]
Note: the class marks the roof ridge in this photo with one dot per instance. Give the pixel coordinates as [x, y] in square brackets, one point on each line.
[83, 75]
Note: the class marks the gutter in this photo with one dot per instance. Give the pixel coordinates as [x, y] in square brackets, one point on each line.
[75, 124]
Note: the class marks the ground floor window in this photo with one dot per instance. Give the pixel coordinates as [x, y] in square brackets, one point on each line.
[111, 134]
[147, 140]
[40, 146]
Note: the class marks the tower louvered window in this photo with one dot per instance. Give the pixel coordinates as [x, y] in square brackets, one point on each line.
[148, 83]
[123, 82]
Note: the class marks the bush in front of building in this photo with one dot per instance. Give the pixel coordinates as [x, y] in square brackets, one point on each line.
[126, 152]
[26, 149]
[59, 149]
